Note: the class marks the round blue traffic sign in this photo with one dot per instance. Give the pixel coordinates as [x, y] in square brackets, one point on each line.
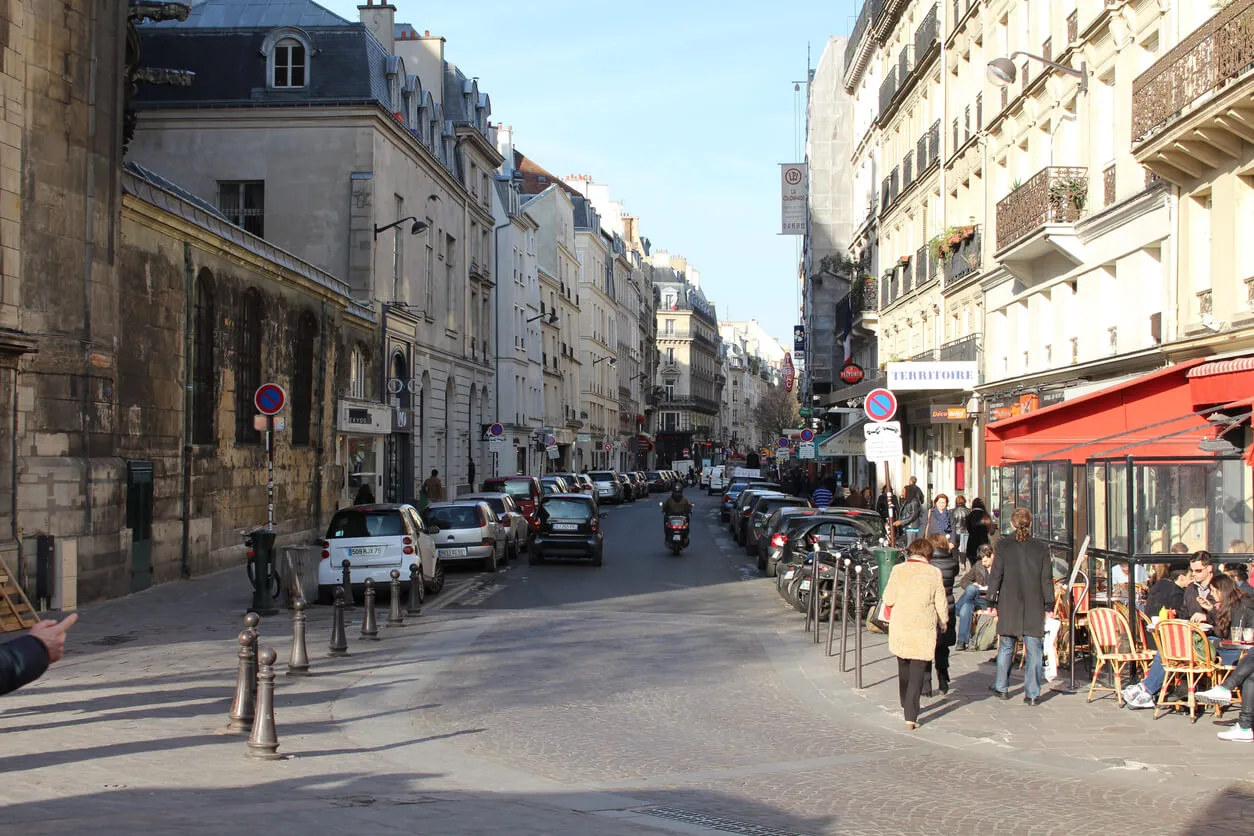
[495, 430]
[782, 442]
[270, 398]
[807, 435]
[880, 405]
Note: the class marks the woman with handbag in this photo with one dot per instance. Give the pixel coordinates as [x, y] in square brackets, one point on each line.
[916, 610]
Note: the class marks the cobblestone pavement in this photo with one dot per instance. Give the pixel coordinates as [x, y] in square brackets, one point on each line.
[655, 694]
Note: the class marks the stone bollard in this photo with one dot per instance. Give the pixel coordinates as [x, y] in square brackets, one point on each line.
[242, 707]
[369, 626]
[339, 636]
[298, 664]
[415, 590]
[263, 743]
[396, 618]
[347, 583]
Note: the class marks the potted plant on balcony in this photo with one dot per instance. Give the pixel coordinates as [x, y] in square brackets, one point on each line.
[1073, 190]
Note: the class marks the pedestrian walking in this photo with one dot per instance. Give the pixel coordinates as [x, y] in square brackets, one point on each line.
[434, 487]
[915, 491]
[939, 519]
[959, 515]
[978, 526]
[1021, 590]
[822, 496]
[944, 559]
[24, 659]
[916, 611]
[910, 515]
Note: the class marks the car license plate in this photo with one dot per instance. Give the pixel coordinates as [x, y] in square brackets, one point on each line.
[365, 551]
[805, 585]
[677, 537]
[452, 552]
[565, 527]
[788, 574]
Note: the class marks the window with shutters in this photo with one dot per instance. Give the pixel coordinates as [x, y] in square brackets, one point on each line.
[247, 366]
[204, 379]
[302, 378]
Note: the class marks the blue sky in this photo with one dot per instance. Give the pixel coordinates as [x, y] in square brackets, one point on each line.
[684, 108]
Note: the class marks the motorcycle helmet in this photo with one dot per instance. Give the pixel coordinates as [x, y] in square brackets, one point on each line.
[677, 492]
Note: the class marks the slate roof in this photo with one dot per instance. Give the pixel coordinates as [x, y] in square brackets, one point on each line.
[236, 14]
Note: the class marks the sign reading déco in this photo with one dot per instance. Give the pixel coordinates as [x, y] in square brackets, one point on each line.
[944, 414]
[852, 373]
[365, 419]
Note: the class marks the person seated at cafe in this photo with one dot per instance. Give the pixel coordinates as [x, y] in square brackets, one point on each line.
[973, 586]
[1167, 593]
[1238, 547]
[1240, 573]
[1222, 605]
[1242, 676]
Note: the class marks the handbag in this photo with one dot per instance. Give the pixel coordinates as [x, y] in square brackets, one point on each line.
[881, 614]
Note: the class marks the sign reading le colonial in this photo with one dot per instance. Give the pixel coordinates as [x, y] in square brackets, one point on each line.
[953, 374]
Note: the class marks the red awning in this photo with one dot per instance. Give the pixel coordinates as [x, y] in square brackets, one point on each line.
[1150, 415]
[1221, 381]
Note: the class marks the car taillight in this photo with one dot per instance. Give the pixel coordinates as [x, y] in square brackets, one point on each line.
[407, 541]
[778, 541]
[408, 549]
[487, 541]
[595, 525]
[326, 544]
[326, 555]
[745, 512]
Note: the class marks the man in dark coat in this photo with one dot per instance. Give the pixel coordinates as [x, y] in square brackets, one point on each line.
[24, 659]
[1021, 588]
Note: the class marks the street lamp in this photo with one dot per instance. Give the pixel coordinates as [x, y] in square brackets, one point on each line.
[613, 360]
[1002, 71]
[418, 226]
[550, 317]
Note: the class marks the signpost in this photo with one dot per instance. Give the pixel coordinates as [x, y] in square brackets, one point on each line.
[883, 441]
[782, 443]
[807, 435]
[881, 405]
[270, 398]
[806, 450]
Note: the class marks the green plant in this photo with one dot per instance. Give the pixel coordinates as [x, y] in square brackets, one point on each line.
[1073, 190]
[946, 242]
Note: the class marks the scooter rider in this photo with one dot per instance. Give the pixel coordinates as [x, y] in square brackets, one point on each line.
[676, 506]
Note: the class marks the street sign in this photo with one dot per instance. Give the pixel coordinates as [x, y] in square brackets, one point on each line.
[807, 435]
[789, 372]
[883, 441]
[782, 454]
[806, 450]
[687, 452]
[497, 444]
[782, 442]
[550, 441]
[496, 430]
[553, 452]
[880, 405]
[270, 398]
[607, 446]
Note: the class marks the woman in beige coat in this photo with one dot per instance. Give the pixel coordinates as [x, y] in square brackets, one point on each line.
[916, 595]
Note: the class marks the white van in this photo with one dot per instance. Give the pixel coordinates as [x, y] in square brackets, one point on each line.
[718, 480]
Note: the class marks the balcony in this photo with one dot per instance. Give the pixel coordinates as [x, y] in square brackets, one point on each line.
[1193, 109]
[871, 12]
[965, 348]
[963, 257]
[925, 36]
[1050, 201]
[888, 89]
[907, 172]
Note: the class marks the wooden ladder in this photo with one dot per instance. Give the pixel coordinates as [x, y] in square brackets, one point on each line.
[16, 613]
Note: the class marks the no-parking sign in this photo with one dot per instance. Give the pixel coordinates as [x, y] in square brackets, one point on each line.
[880, 405]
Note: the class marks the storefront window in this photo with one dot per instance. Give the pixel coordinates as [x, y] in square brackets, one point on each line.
[1097, 503]
[363, 464]
[1117, 507]
[1060, 502]
[1040, 501]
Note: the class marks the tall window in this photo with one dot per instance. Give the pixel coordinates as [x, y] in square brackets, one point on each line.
[289, 63]
[670, 327]
[670, 389]
[670, 356]
[450, 244]
[398, 254]
[357, 373]
[244, 204]
[302, 378]
[203, 377]
[670, 420]
[247, 366]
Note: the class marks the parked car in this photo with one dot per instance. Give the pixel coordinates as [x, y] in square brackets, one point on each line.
[717, 480]
[729, 499]
[657, 481]
[762, 509]
[703, 479]
[739, 522]
[633, 482]
[609, 489]
[469, 532]
[554, 484]
[517, 528]
[525, 490]
[569, 527]
[584, 484]
[629, 490]
[375, 539]
[830, 531]
[776, 533]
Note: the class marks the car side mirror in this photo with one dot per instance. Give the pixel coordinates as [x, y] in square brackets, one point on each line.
[433, 529]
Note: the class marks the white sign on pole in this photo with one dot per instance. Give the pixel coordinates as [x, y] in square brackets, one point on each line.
[553, 452]
[806, 450]
[794, 194]
[496, 444]
[782, 454]
[883, 441]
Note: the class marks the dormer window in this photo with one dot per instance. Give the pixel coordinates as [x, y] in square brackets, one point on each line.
[287, 51]
[289, 63]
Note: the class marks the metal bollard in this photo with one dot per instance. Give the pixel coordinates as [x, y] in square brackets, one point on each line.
[857, 637]
[251, 622]
[844, 617]
[242, 706]
[347, 582]
[831, 609]
[415, 591]
[263, 743]
[814, 562]
[298, 664]
[339, 636]
[369, 626]
[396, 618]
[814, 608]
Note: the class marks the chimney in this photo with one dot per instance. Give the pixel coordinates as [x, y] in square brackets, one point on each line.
[381, 21]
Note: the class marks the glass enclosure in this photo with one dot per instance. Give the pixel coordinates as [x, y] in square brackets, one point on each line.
[1044, 488]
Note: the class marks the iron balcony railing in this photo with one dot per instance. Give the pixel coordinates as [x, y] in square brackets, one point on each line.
[903, 66]
[964, 259]
[933, 141]
[894, 180]
[1054, 195]
[963, 348]
[923, 269]
[907, 171]
[1218, 52]
[871, 11]
[925, 36]
[863, 295]
[888, 89]
[700, 404]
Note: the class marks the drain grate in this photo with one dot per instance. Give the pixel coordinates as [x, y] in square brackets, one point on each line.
[717, 822]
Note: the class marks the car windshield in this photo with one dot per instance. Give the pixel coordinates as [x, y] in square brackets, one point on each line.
[452, 517]
[512, 487]
[350, 522]
[566, 509]
[769, 504]
[495, 503]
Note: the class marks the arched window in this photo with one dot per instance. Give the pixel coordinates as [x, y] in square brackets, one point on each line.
[302, 378]
[357, 373]
[247, 366]
[290, 67]
[204, 378]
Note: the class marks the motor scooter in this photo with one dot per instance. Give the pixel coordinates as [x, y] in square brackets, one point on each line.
[677, 526]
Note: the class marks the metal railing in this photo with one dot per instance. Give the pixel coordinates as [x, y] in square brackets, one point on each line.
[933, 141]
[871, 11]
[925, 36]
[923, 269]
[907, 171]
[864, 296]
[1108, 185]
[1054, 195]
[964, 259]
[1073, 27]
[963, 348]
[1217, 52]
[888, 89]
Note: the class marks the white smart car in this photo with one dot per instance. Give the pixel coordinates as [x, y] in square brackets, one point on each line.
[375, 539]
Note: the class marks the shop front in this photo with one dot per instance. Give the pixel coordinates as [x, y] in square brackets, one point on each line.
[937, 432]
[362, 434]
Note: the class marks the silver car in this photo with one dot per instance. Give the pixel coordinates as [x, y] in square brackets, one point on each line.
[518, 531]
[608, 488]
[469, 531]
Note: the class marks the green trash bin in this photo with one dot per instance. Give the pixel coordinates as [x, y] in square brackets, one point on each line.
[885, 560]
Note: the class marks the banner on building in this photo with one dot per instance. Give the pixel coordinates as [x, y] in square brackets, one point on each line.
[799, 339]
[789, 372]
[794, 191]
[940, 374]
